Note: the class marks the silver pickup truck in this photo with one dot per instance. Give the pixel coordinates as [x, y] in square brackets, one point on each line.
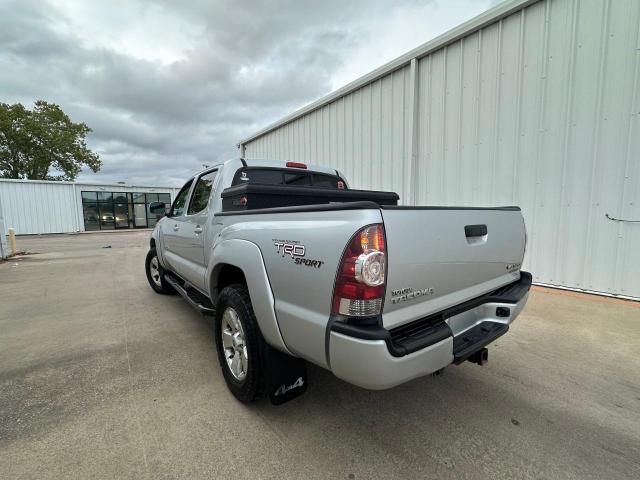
[297, 267]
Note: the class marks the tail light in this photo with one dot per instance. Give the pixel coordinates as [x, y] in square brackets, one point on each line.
[360, 282]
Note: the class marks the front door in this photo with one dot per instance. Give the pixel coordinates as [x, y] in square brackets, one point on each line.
[171, 239]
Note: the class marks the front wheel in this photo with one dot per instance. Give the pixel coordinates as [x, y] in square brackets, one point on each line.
[155, 274]
[238, 343]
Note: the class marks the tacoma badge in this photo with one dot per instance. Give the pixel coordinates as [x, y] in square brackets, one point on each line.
[408, 293]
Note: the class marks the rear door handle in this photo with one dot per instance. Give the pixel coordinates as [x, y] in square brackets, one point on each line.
[176, 227]
[198, 229]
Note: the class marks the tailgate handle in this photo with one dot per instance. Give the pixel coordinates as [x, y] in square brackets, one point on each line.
[475, 230]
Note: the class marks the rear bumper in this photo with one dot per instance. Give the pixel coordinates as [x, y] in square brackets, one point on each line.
[375, 358]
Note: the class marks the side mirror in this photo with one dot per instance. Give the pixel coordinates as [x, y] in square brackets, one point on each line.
[157, 207]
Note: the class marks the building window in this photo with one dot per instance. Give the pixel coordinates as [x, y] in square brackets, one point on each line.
[90, 211]
[105, 211]
[139, 210]
[152, 219]
[116, 210]
[105, 196]
[121, 209]
[156, 197]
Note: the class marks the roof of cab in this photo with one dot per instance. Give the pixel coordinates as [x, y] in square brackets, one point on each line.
[260, 162]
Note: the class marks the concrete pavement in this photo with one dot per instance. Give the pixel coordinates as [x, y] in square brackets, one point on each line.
[102, 378]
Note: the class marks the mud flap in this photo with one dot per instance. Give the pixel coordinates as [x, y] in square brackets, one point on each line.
[285, 376]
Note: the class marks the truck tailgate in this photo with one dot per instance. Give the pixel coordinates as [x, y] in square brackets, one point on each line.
[439, 257]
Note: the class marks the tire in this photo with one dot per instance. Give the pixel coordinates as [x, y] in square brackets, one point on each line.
[234, 314]
[155, 274]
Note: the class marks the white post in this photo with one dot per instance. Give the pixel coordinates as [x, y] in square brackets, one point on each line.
[12, 241]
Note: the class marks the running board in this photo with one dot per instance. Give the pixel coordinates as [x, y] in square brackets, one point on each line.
[189, 297]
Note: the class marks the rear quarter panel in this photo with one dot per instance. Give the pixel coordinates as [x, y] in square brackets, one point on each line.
[302, 289]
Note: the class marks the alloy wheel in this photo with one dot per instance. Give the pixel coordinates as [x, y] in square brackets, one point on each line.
[234, 344]
[154, 267]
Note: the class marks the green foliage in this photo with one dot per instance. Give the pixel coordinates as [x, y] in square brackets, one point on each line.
[34, 141]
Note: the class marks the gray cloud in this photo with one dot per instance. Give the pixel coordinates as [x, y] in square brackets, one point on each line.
[242, 65]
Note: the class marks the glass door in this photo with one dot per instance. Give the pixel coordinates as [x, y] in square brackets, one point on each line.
[139, 210]
[90, 211]
[122, 215]
[121, 210]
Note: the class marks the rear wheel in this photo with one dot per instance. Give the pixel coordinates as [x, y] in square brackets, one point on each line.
[238, 342]
[155, 274]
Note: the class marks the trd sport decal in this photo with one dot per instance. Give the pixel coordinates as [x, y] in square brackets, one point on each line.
[296, 251]
[293, 249]
[308, 262]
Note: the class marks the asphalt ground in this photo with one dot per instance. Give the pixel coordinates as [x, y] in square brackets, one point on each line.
[102, 378]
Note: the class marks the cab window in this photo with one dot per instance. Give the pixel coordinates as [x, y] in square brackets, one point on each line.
[290, 177]
[297, 179]
[180, 203]
[201, 193]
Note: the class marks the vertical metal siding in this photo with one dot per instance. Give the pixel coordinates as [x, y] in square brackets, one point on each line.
[38, 207]
[540, 109]
[363, 135]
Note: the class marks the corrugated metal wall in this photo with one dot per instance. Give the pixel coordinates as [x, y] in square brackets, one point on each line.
[363, 135]
[34, 207]
[540, 109]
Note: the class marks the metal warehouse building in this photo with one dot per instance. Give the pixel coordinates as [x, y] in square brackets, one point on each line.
[35, 206]
[535, 103]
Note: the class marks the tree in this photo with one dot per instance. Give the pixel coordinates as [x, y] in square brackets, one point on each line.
[32, 142]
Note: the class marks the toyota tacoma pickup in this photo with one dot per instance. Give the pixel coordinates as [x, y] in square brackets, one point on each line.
[296, 267]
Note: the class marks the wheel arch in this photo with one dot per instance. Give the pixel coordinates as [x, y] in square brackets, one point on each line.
[155, 241]
[240, 261]
[225, 274]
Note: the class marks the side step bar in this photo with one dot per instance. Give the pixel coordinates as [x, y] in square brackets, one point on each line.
[189, 296]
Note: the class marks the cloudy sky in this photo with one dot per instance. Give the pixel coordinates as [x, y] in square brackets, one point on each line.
[170, 85]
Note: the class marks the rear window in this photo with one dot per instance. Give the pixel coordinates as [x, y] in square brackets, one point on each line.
[299, 179]
[286, 176]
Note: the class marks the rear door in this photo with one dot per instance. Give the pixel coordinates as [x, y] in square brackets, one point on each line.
[441, 257]
[194, 227]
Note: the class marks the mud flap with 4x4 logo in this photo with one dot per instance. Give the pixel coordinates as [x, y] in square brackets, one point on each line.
[285, 376]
